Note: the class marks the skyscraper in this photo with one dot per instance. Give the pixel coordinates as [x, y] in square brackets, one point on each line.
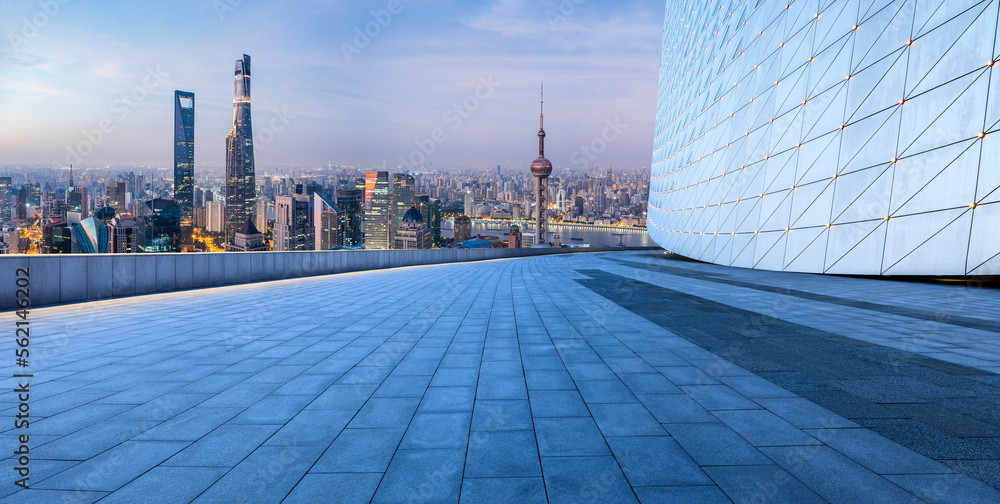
[183, 161]
[405, 191]
[116, 196]
[293, 224]
[5, 198]
[215, 217]
[326, 223]
[541, 168]
[240, 183]
[351, 203]
[379, 211]
[162, 218]
[76, 197]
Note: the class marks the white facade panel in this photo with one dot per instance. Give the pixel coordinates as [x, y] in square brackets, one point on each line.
[848, 136]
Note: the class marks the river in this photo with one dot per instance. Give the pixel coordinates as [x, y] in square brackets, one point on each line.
[569, 234]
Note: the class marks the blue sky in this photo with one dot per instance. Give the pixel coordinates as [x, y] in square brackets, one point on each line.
[322, 93]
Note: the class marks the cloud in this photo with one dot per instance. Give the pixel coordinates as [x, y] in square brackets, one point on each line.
[20, 60]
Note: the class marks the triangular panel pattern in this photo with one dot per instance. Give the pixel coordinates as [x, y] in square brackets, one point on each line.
[841, 136]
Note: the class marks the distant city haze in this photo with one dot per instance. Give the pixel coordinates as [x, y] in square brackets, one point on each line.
[407, 83]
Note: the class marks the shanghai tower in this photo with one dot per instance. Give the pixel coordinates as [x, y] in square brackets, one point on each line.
[240, 183]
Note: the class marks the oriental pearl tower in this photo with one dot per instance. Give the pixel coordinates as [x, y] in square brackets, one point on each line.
[541, 168]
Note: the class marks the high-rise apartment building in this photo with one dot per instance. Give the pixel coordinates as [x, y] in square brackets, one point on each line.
[184, 160]
[215, 218]
[470, 204]
[379, 210]
[260, 215]
[240, 182]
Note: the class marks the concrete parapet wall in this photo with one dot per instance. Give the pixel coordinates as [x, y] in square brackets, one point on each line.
[57, 279]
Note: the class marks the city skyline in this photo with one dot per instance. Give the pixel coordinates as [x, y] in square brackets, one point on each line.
[323, 103]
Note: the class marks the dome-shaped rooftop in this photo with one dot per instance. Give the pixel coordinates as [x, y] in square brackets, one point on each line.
[541, 167]
[413, 215]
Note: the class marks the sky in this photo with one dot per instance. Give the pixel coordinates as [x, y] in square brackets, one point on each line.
[406, 82]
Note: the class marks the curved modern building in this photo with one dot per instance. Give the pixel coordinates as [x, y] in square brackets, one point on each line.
[241, 195]
[844, 136]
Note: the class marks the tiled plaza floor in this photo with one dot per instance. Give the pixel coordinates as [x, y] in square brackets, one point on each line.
[584, 378]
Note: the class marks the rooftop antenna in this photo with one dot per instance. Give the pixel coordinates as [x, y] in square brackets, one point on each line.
[541, 119]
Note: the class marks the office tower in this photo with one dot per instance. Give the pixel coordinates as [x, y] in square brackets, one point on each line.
[514, 239]
[60, 239]
[126, 235]
[405, 189]
[248, 239]
[199, 198]
[21, 204]
[541, 168]
[351, 204]
[413, 233]
[293, 227]
[34, 196]
[431, 211]
[326, 223]
[240, 182]
[76, 197]
[162, 218]
[184, 160]
[215, 219]
[462, 228]
[5, 198]
[379, 211]
[116, 196]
